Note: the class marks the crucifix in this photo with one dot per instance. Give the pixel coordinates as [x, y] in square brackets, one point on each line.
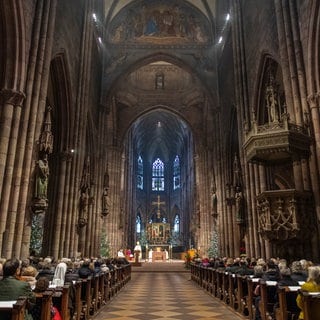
[158, 203]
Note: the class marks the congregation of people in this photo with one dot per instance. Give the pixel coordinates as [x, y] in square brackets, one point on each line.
[301, 274]
[28, 277]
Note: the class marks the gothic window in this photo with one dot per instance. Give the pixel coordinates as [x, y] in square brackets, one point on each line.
[176, 226]
[176, 173]
[138, 223]
[140, 174]
[158, 175]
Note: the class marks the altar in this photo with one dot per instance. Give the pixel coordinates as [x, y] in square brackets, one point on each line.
[159, 256]
[161, 253]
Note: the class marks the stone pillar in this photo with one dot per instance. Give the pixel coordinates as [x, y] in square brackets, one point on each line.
[11, 102]
[34, 107]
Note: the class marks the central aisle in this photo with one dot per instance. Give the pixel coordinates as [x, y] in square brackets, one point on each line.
[152, 295]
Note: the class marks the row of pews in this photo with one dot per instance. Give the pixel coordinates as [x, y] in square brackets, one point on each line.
[88, 296]
[237, 292]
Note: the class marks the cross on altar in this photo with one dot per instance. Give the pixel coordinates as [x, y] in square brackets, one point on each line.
[158, 203]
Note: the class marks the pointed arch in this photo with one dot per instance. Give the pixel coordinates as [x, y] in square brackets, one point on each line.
[59, 97]
[313, 48]
[13, 48]
[269, 77]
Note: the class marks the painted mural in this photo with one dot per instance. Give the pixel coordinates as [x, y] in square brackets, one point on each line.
[154, 23]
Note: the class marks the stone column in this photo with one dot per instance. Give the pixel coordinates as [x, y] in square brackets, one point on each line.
[31, 120]
[9, 127]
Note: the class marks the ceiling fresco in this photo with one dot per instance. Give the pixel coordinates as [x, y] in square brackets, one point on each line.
[112, 7]
[160, 22]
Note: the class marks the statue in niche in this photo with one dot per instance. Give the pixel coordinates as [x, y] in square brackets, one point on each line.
[272, 103]
[84, 194]
[239, 205]
[105, 194]
[46, 137]
[40, 201]
[42, 176]
[214, 203]
[105, 202]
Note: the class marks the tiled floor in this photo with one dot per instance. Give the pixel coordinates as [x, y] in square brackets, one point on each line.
[164, 291]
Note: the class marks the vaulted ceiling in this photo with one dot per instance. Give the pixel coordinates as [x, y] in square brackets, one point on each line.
[162, 112]
[112, 7]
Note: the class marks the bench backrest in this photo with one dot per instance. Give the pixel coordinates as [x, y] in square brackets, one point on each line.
[311, 305]
[13, 310]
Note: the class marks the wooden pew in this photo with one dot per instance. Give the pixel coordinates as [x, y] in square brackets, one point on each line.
[242, 294]
[83, 296]
[267, 302]
[287, 308]
[44, 303]
[220, 275]
[250, 299]
[94, 294]
[211, 281]
[13, 310]
[232, 290]
[311, 305]
[204, 277]
[78, 301]
[225, 288]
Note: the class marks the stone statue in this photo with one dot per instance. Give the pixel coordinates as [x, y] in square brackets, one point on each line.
[214, 203]
[42, 175]
[84, 194]
[239, 205]
[105, 202]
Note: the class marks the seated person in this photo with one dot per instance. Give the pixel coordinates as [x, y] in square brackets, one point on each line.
[297, 272]
[11, 288]
[28, 274]
[59, 274]
[85, 270]
[311, 285]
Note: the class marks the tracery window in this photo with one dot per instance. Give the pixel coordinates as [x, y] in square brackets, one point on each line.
[176, 226]
[140, 174]
[138, 223]
[176, 173]
[158, 175]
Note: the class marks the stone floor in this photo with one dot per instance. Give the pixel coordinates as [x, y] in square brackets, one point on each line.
[164, 291]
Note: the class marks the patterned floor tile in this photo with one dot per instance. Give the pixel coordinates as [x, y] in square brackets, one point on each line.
[164, 295]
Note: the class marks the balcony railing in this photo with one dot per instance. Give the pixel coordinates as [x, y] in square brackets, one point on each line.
[276, 141]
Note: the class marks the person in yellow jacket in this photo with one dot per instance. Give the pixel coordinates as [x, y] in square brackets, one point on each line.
[311, 285]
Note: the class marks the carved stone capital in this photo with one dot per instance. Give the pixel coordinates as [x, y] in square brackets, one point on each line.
[13, 97]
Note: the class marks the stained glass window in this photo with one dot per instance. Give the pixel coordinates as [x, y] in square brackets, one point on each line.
[158, 175]
[138, 224]
[176, 227]
[176, 173]
[140, 174]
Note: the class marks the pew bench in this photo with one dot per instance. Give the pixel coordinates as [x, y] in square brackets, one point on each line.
[13, 310]
[287, 308]
[311, 305]
[43, 305]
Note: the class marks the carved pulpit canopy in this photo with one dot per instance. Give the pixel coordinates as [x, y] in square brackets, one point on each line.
[284, 214]
[271, 136]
